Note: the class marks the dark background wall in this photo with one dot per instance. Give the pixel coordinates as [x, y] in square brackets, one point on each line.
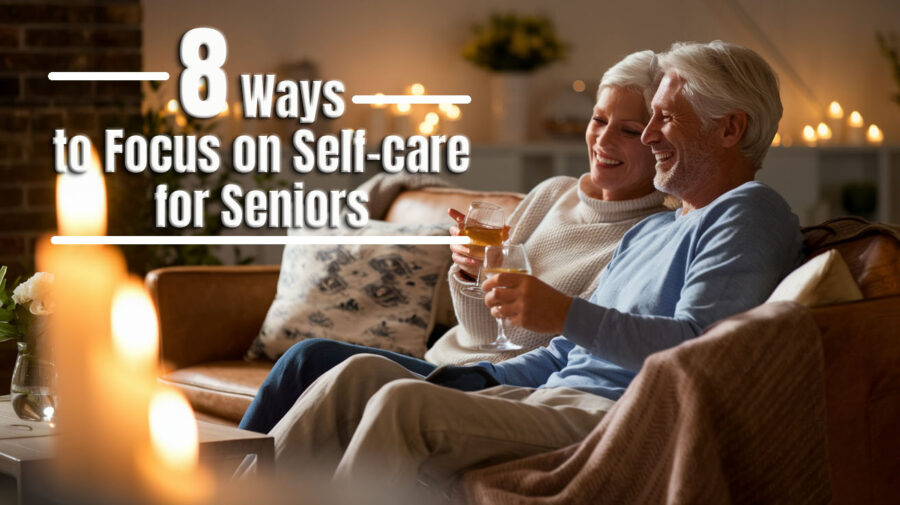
[37, 37]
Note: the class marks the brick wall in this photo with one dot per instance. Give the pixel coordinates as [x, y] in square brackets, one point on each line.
[37, 37]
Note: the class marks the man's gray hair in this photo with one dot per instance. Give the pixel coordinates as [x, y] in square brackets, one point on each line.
[720, 78]
[633, 73]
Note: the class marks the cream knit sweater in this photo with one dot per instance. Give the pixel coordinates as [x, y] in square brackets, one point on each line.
[569, 238]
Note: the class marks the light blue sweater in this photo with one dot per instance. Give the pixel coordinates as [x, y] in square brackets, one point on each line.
[672, 276]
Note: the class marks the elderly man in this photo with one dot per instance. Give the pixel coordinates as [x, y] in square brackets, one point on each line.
[713, 118]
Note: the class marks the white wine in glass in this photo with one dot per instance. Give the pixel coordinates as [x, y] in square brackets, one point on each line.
[504, 259]
[484, 226]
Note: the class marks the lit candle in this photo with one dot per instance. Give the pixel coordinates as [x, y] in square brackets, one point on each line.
[809, 136]
[417, 115]
[90, 406]
[403, 124]
[377, 127]
[235, 123]
[223, 124]
[874, 135]
[835, 121]
[856, 133]
[451, 125]
[426, 128]
[135, 327]
[823, 133]
[171, 463]
[171, 110]
[173, 430]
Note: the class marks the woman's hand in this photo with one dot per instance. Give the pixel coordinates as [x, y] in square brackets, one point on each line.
[526, 301]
[468, 264]
[463, 255]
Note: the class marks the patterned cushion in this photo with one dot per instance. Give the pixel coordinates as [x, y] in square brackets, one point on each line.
[375, 295]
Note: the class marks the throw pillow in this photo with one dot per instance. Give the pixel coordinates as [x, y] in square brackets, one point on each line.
[823, 280]
[374, 295]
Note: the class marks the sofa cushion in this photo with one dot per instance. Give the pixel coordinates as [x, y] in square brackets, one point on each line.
[823, 280]
[223, 389]
[872, 251]
[379, 296]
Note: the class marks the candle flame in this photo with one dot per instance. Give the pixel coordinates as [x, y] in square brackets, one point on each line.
[417, 89]
[432, 118]
[823, 131]
[809, 133]
[874, 134]
[426, 128]
[856, 119]
[379, 101]
[81, 200]
[135, 328]
[172, 106]
[402, 108]
[453, 112]
[835, 111]
[173, 430]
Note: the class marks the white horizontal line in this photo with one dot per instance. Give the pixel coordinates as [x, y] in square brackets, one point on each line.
[256, 240]
[411, 99]
[108, 76]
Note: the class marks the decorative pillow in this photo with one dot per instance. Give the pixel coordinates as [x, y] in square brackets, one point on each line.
[822, 280]
[374, 295]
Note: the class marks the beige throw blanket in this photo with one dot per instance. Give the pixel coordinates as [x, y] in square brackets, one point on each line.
[734, 416]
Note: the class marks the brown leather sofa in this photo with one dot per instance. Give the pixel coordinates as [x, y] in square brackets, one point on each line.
[210, 315]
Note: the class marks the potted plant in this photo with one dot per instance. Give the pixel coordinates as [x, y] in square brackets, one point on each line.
[511, 47]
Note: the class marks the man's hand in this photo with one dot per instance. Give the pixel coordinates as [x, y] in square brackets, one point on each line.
[463, 378]
[526, 301]
[463, 255]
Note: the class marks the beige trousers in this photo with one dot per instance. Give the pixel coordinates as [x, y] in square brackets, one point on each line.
[371, 419]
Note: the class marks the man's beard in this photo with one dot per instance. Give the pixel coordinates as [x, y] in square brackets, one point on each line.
[688, 172]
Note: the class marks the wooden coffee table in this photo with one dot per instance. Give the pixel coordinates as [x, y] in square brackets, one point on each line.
[26, 447]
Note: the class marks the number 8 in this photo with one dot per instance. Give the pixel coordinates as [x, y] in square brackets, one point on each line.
[196, 68]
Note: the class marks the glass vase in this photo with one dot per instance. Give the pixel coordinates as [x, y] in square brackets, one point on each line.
[33, 386]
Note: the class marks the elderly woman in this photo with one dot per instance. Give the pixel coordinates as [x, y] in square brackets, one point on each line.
[570, 228]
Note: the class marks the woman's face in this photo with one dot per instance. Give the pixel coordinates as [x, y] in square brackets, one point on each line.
[622, 168]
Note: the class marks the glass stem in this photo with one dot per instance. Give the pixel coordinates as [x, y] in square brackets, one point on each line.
[501, 333]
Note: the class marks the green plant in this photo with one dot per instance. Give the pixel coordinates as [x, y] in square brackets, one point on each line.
[512, 43]
[14, 318]
[889, 49]
[128, 218]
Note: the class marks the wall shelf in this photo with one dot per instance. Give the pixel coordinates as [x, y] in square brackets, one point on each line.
[810, 179]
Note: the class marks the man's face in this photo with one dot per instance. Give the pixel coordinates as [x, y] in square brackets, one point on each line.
[683, 148]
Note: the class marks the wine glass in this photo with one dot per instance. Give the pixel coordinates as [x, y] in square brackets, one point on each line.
[504, 259]
[484, 226]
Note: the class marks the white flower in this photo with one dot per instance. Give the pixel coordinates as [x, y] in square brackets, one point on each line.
[35, 294]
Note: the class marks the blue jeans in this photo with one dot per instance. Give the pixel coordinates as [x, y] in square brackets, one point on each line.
[299, 367]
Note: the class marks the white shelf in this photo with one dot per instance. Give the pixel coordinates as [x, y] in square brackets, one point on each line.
[810, 179]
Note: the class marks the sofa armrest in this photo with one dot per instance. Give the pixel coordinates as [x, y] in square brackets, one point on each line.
[210, 313]
[862, 398]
